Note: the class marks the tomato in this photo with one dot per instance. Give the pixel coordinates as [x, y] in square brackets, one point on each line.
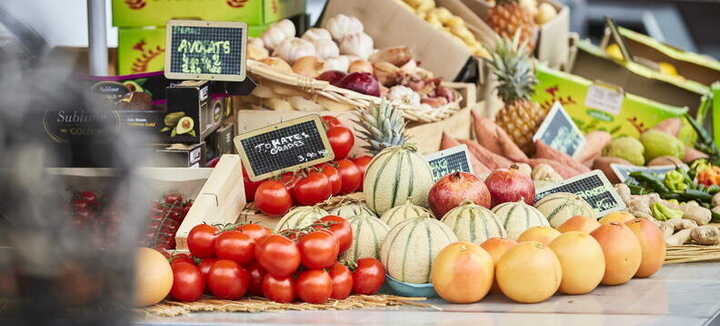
[250, 186]
[236, 246]
[272, 198]
[340, 229]
[312, 189]
[79, 204]
[318, 249]
[213, 162]
[89, 197]
[350, 175]
[333, 176]
[278, 255]
[188, 282]
[462, 272]
[172, 198]
[256, 277]
[181, 258]
[341, 140]
[362, 163]
[290, 179]
[255, 231]
[227, 280]
[205, 266]
[314, 286]
[342, 281]
[278, 289]
[201, 240]
[369, 276]
[330, 121]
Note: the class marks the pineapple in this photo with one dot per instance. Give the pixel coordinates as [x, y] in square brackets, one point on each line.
[381, 126]
[519, 116]
[508, 17]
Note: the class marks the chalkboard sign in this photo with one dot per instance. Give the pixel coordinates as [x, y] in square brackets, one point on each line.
[205, 50]
[560, 132]
[454, 159]
[286, 146]
[623, 171]
[594, 187]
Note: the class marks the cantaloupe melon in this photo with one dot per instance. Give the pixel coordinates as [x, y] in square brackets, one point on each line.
[368, 235]
[404, 212]
[473, 223]
[516, 217]
[560, 207]
[395, 175]
[411, 246]
[300, 217]
[352, 209]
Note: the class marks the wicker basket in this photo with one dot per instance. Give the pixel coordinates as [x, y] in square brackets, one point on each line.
[312, 88]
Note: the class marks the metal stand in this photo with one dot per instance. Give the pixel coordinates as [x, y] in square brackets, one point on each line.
[97, 37]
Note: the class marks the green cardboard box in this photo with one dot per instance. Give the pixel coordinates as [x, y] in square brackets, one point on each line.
[595, 106]
[139, 13]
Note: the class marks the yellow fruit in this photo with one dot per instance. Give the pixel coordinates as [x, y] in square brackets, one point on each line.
[579, 223]
[542, 234]
[497, 247]
[617, 217]
[652, 243]
[462, 273]
[582, 262]
[667, 68]
[153, 277]
[529, 272]
[613, 50]
[622, 252]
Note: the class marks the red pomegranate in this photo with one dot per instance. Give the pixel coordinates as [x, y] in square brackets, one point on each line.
[510, 185]
[453, 189]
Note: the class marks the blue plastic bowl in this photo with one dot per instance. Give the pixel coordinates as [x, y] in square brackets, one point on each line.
[410, 289]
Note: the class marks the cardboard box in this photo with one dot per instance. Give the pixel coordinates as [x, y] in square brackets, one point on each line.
[137, 13]
[596, 106]
[189, 105]
[221, 141]
[178, 155]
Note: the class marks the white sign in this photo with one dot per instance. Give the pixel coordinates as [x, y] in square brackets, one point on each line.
[604, 97]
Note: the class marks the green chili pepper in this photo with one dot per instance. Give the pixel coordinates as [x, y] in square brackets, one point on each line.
[663, 213]
[652, 181]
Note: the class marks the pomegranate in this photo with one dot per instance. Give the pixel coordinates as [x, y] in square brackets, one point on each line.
[361, 82]
[453, 189]
[510, 185]
[332, 76]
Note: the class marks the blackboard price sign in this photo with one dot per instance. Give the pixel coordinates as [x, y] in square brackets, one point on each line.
[560, 132]
[454, 159]
[623, 170]
[285, 146]
[203, 50]
[594, 187]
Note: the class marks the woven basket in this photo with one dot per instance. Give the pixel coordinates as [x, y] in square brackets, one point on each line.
[312, 88]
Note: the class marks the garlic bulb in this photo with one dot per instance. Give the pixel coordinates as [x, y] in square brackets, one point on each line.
[325, 48]
[256, 42]
[340, 63]
[359, 44]
[293, 48]
[314, 34]
[277, 33]
[403, 95]
[341, 26]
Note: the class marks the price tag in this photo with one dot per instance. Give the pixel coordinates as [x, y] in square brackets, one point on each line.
[286, 146]
[204, 50]
[454, 159]
[594, 187]
[560, 132]
[605, 97]
[623, 171]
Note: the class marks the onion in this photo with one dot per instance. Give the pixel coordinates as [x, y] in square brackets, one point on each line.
[361, 66]
[277, 64]
[309, 66]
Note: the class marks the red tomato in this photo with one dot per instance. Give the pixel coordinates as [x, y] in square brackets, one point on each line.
[256, 277]
[333, 176]
[188, 282]
[314, 286]
[79, 204]
[362, 163]
[350, 175]
[330, 121]
[272, 198]
[201, 240]
[255, 231]
[236, 246]
[172, 198]
[181, 258]
[89, 197]
[312, 189]
[278, 289]
[340, 229]
[342, 281]
[290, 179]
[227, 280]
[341, 140]
[205, 266]
[278, 255]
[318, 249]
[250, 186]
[369, 276]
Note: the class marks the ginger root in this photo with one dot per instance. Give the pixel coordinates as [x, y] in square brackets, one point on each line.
[693, 211]
[716, 200]
[544, 172]
[667, 229]
[624, 192]
[706, 235]
[679, 238]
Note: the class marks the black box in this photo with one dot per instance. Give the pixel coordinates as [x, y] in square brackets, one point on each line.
[179, 155]
[221, 141]
[190, 114]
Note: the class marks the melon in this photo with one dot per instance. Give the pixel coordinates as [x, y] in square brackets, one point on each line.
[395, 175]
[300, 217]
[403, 213]
[352, 209]
[473, 223]
[529, 272]
[368, 234]
[560, 207]
[410, 248]
[516, 217]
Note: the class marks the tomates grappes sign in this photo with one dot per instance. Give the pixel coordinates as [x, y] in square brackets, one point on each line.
[594, 187]
[285, 146]
[205, 50]
[560, 132]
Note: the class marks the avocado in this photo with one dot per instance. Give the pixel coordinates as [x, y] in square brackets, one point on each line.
[133, 86]
[185, 125]
[172, 119]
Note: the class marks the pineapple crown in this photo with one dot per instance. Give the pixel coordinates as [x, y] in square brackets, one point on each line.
[512, 66]
[381, 126]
